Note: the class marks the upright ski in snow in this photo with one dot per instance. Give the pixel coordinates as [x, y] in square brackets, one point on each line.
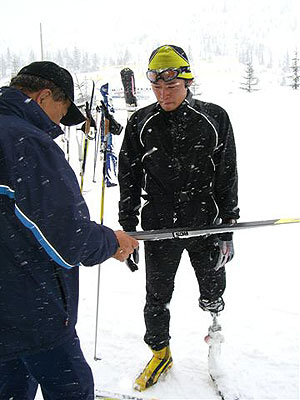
[128, 82]
[183, 233]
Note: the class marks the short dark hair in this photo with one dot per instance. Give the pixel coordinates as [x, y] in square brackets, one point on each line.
[188, 82]
[31, 84]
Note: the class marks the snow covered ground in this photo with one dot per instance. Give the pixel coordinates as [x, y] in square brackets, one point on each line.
[261, 319]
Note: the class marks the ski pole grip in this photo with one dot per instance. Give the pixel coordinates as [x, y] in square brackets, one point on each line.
[131, 265]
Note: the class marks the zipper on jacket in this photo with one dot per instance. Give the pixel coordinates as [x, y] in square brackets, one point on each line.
[63, 295]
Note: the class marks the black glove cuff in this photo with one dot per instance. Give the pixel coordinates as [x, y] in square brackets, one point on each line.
[225, 237]
[128, 228]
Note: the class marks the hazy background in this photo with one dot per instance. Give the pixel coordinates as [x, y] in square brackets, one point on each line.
[92, 34]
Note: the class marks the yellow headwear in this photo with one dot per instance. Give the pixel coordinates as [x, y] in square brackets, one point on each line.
[169, 56]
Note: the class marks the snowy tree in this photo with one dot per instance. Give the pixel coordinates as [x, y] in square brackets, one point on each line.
[250, 81]
[31, 57]
[67, 59]
[81, 90]
[295, 77]
[59, 58]
[16, 65]
[85, 62]
[3, 67]
[127, 57]
[76, 59]
[95, 62]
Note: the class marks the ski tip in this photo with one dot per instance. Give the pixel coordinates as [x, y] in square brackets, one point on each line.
[287, 220]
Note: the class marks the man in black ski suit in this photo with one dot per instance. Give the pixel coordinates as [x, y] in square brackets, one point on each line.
[45, 236]
[181, 152]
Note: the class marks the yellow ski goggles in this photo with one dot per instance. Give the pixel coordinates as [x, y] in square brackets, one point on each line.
[167, 75]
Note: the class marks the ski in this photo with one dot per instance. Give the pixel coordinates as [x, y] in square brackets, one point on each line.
[220, 391]
[106, 395]
[128, 81]
[183, 233]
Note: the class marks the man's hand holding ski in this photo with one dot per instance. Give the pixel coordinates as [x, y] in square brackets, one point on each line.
[127, 245]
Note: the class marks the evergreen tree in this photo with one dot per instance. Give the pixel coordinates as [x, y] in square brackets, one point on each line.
[127, 57]
[295, 77]
[95, 62]
[76, 59]
[16, 65]
[31, 57]
[250, 80]
[8, 62]
[85, 63]
[59, 58]
[3, 67]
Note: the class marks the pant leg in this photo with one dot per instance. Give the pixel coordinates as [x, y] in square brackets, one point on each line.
[62, 372]
[16, 382]
[204, 256]
[162, 260]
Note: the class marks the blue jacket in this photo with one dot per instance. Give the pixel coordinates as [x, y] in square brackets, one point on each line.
[45, 231]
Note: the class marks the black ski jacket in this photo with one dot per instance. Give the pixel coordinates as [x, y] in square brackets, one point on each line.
[45, 231]
[182, 162]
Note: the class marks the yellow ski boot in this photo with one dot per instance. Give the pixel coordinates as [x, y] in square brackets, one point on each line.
[160, 363]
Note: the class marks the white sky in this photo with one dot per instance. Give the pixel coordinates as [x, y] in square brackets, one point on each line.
[97, 24]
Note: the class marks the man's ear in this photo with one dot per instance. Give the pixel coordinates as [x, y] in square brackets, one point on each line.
[41, 96]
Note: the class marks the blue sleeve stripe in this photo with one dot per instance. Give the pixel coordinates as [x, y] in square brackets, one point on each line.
[50, 250]
[5, 190]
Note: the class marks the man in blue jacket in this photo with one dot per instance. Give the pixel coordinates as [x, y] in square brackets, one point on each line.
[45, 235]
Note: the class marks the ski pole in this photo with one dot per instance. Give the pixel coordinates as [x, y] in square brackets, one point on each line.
[68, 143]
[106, 131]
[97, 143]
[88, 109]
[85, 148]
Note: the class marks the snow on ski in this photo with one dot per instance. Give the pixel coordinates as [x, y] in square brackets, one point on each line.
[107, 395]
[222, 391]
[183, 233]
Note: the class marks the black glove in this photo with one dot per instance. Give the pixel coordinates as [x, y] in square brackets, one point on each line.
[132, 264]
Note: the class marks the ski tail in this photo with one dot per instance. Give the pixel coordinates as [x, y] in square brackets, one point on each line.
[128, 81]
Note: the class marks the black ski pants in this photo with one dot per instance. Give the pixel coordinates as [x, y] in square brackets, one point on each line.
[162, 261]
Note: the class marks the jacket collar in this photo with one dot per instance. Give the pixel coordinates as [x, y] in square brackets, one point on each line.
[15, 103]
[189, 100]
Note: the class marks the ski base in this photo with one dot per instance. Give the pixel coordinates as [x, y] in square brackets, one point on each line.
[183, 233]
